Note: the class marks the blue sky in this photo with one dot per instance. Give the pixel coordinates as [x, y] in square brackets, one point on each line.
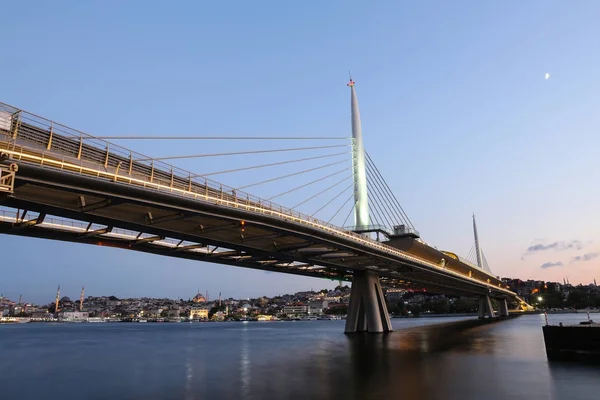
[455, 110]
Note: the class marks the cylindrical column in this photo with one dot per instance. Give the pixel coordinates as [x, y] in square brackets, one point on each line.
[361, 205]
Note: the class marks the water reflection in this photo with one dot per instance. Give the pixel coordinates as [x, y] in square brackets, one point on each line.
[303, 360]
[575, 381]
[189, 373]
[245, 363]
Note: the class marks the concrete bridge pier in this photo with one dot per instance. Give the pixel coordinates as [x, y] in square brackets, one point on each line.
[367, 311]
[485, 307]
[503, 308]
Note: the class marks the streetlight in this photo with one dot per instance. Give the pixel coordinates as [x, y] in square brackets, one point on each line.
[540, 298]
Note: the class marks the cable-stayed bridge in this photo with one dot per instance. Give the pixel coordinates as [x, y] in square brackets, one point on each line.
[59, 183]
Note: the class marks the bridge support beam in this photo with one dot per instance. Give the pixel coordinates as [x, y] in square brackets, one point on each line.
[503, 308]
[485, 307]
[367, 311]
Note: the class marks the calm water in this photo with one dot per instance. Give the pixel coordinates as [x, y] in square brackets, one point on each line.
[288, 360]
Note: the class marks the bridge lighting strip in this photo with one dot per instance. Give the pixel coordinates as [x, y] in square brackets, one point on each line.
[319, 225]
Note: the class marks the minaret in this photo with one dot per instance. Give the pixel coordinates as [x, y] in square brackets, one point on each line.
[81, 298]
[219, 299]
[595, 284]
[361, 205]
[20, 299]
[57, 297]
[477, 248]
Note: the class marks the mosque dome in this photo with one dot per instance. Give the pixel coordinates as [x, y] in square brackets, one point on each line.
[199, 298]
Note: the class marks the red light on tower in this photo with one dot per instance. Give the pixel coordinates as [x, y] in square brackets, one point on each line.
[351, 83]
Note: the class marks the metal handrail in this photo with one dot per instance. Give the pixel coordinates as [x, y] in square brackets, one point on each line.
[157, 165]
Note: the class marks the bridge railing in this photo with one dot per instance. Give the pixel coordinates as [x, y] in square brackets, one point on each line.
[58, 142]
[33, 138]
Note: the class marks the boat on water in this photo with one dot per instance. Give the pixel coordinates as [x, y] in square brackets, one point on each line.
[573, 342]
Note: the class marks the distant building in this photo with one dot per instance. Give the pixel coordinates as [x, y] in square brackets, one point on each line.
[218, 316]
[295, 310]
[199, 298]
[151, 312]
[317, 307]
[74, 316]
[199, 313]
[394, 295]
[42, 315]
[245, 308]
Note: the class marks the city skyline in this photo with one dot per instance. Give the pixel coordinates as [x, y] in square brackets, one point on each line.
[212, 298]
[457, 111]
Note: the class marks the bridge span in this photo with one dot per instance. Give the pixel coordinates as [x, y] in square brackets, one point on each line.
[61, 184]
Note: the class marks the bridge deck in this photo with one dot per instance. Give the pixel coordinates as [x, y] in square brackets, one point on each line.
[68, 174]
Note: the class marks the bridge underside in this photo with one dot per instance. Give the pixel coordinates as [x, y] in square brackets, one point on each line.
[111, 214]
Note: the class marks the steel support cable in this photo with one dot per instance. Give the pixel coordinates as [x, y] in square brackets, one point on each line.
[340, 209]
[379, 201]
[377, 182]
[218, 138]
[396, 205]
[471, 254]
[385, 207]
[321, 192]
[485, 265]
[332, 200]
[307, 184]
[236, 153]
[391, 209]
[390, 193]
[348, 216]
[395, 201]
[271, 165]
[372, 221]
[376, 211]
[376, 204]
[372, 218]
[292, 174]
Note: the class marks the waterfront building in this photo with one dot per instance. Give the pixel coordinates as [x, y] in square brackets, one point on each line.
[218, 316]
[295, 310]
[317, 307]
[199, 313]
[74, 316]
[41, 315]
